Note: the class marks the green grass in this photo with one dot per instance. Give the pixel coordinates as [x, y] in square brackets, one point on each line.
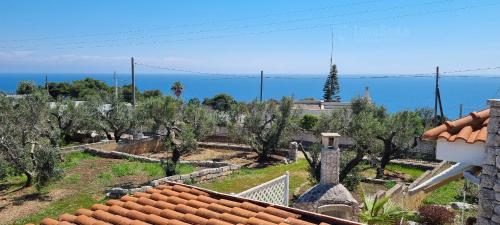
[248, 178]
[411, 171]
[151, 169]
[451, 192]
[68, 204]
[74, 158]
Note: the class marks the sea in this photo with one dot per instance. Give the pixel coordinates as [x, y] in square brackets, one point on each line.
[393, 92]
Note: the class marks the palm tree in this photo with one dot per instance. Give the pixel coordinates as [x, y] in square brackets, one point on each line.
[177, 89]
[381, 211]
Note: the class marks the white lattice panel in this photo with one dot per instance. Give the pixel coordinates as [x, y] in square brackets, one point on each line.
[274, 191]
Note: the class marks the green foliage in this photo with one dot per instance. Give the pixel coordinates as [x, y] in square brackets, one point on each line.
[46, 168]
[159, 112]
[331, 88]
[308, 122]
[110, 114]
[26, 87]
[152, 93]
[26, 138]
[177, 89]
[88, 88]
[380, 210]
[268, 126]
[60, 90]
[199, 119]
[220, 102]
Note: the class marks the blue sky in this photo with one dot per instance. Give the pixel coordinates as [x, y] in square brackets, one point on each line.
[227, 36]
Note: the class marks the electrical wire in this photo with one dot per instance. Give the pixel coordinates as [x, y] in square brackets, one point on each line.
[243, 26]
[199, 24]
[220, 76]
[287, 29]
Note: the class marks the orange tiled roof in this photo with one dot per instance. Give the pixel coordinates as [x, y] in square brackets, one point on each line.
[178, 204]
[471, 128]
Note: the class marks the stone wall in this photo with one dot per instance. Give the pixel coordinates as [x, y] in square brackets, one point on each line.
[489, 192]
[104, 145]
[146, 145]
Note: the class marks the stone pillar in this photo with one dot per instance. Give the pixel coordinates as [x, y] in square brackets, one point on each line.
[330, 158]
[292, 152]
[489, 192]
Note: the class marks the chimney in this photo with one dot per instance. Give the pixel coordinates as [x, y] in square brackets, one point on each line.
[330, 158]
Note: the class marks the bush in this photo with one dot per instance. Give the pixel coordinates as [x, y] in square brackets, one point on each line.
[308, 121]
[435, 215]
[46, 168]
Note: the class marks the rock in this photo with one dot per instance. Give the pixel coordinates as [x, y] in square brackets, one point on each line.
[116, 193]
[461, 206]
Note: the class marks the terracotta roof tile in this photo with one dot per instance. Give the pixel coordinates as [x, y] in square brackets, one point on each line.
[176, 204]
[471, 128]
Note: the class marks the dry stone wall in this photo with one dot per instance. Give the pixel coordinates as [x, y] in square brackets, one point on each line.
[489, 192]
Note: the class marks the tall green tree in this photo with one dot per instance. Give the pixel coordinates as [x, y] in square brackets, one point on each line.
[331, 88]
[177, 89]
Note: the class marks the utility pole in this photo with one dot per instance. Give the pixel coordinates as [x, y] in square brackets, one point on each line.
[437, 100]
[133, 81]
[261, 83]
[47, 83]
[116, 85]
[461, 110]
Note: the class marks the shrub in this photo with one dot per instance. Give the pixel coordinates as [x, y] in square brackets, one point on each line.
[46, 168]
[435, 215]
[308, 122]
[381, 210]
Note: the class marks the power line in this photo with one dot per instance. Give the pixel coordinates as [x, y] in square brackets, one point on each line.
[221, 76]
[199, 24]
[287, 29]
[243, 26]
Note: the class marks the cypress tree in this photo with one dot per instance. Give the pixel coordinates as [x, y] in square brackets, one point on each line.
[331, 89]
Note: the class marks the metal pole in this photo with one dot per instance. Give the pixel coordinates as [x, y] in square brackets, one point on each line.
[47, 83]
[116, 85]
[133, 82]
[461, 110]
[436, 96]
[261, 83]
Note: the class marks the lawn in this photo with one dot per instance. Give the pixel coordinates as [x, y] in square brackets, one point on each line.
[370, 172]
[247, 178]
[451, 192]
[85, 180]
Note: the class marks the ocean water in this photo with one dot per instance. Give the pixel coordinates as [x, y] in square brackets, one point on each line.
[395, 93]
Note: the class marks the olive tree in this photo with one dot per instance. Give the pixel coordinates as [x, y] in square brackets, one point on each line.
[68, 117]
[25, 138]
[361, 123]
[111, 115]
[399, 133]
[268, 126]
